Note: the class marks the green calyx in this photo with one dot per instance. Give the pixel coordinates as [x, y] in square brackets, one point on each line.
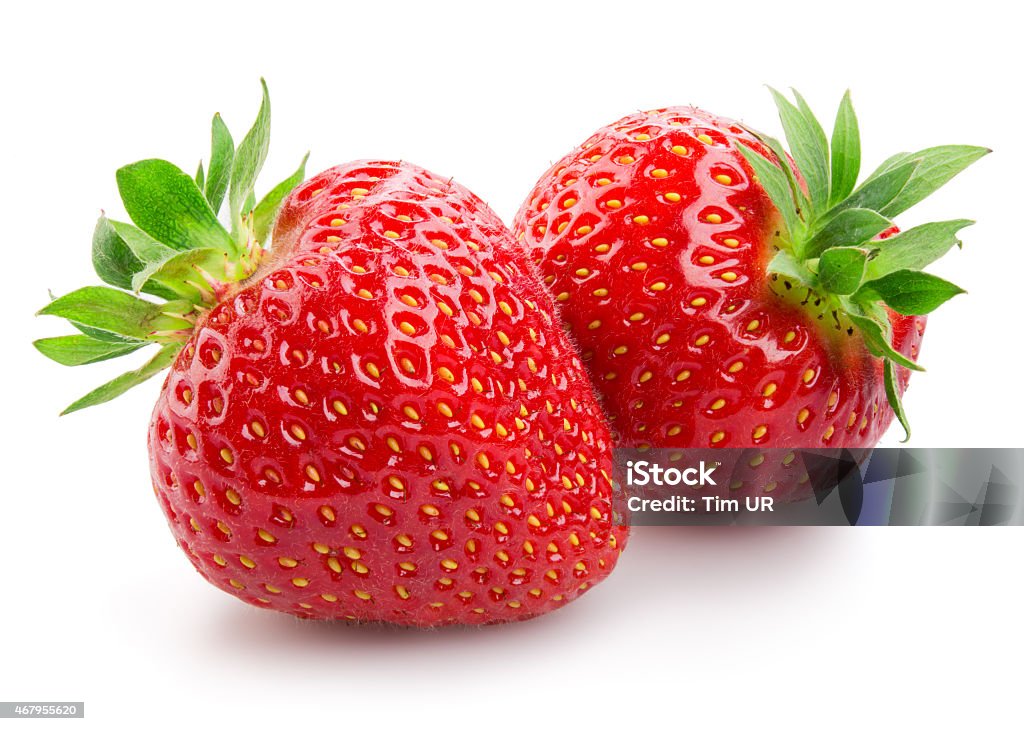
[177, 251]
[829, 247]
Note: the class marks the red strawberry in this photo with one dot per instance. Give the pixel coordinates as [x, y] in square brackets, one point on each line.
[382, 421]
[718, 301]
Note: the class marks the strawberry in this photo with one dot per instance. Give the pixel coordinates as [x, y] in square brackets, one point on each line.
[376, 419]
[726, 294]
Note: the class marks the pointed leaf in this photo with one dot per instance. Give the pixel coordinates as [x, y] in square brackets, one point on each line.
[222, 154]
[938, 166]
[892, 393]
[774, 182]
[841, 269]
[73, 350]
[876, 193]
[850, 228]
[166, 204]
[910, 292]
[915, 248]
[200, 176]
[114, 388]
[110, 310]
[845, 152]
[889, 163]
[178, 269]
[877, 341]
[114, 260]
[252, 152]
[807, 143]
[265, 211]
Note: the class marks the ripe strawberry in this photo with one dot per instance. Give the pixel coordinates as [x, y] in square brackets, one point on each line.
[375, 420]
[723, 298]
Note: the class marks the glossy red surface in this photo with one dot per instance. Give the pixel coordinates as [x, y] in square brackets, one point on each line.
[654, 239]
[386, 423]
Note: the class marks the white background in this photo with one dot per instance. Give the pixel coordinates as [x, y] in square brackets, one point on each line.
[794, 628]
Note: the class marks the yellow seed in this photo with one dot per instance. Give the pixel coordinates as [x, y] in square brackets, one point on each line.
[717, 436]
[659, 173]
[673, 197]
[702, 340]
[753, 325]
[698, 301]
[802, 416]
[828, 433]
[714, 218]
[723, 179]
[614, 203]
[790, 336]
[640, 266]
[266, 536]
[641, 220]
[646, 376]
[636, 317]
[682, 375]
[288, 563]
[225, 454]
[731, 243]
[662, 339]
[706, 139]
[600, 292]
[719, 403]
[659, 242]
[391, 234]
[446, 374]
[729, 276]
[808, 375]
[678, 150]
[760, 431]
[658, 286]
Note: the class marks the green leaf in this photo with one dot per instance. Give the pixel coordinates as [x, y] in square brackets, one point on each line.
[114, 388]
[808, 145]
[877, 340]
[166, 204]
[110, 310]
[250, 203]
[841, 269]
[178, 269]
[910, 292]
[916, 248]
[265, 211]
[200, 176]
[850, 228]
[773, 180]
[889, 163]
[845, 152]
[73, 350]
[114, 260]
[786, 265]
[876, 193]
[252, 152]
[937, 166]
[222, 155]
[892, 393]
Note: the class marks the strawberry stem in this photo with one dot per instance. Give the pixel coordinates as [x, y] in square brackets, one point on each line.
[176, 251]
[831, 245]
